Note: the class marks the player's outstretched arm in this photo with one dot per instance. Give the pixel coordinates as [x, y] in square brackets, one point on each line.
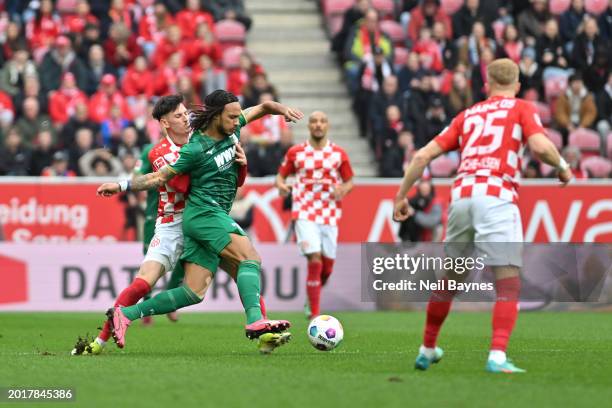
[401, 209]
[545, 150]
[137, 183]
[272, 108]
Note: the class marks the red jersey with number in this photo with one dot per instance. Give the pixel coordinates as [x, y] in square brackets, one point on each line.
[172, 195]
[491, 136]
[317, 172]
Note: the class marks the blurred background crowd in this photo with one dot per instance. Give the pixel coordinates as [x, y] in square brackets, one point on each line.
[78, 79]
[412, 65]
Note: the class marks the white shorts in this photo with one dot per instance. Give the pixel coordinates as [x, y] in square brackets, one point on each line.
[313, 238]
[493, 224]
[166, 246]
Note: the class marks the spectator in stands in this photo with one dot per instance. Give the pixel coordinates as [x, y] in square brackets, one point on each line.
[44, 28]
[397, 155]
[121, 47]
[167, 76]
[42, 155]
[362, 42]
[190, 95]
[470, 52]
[76, 22]
[207, 77]
[15, 156]
[31, 88]
[128, 164]
[96, 68]
[192, 16]
[14, 71]
[128, 143]
[408, 75]
[511, 45]
[388, 95]
[604, 110]
[59, 60]
[590, 54]
[432, 123]
[14, 40]
[168, 45]
[351, 16]
[99, 163]
[111, 129]
[575, 107]
[447, 48]
[237, 78]
[257, 86]
[229, 10]
[605, 23]
[204, 43]
[572, 156]
[530, 73]
[460, 96]
[570, 20]
[78, 121]
[138, 79]
[7, 111]
[430, 55]
[84, 142]
[532, 170]
[464, 19]
[420, 95]
[107, 96]
[487, 55]
[392, 128]
[118, 13]
[425, 221]
[58, 167]
[89, 37]
[62, 103]
[426, 14]
[550, 47]
[531, 21]
[32, 122]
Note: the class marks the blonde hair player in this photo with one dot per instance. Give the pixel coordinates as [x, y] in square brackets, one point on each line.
[490, 136]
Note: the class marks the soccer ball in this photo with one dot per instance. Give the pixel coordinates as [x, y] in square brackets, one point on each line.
[325, 332]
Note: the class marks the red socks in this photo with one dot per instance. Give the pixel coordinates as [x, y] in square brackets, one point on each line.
[437, 309]
[313, 286]
[128, 297]
[505, 311]
[328, 267]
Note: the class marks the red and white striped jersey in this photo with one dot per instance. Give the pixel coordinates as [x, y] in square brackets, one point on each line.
[491, 136]
[173, 194]
[317, 172]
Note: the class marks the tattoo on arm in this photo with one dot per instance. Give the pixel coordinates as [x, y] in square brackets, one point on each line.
[147, 181]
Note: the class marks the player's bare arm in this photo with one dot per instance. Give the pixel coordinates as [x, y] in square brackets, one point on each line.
[546, 151]
[401, 209]
[343, 189]
[137, 183]
[283, 188]
[272, 108]
[241, 158]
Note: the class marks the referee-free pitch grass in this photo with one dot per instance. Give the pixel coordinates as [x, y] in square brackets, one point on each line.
[205, 360]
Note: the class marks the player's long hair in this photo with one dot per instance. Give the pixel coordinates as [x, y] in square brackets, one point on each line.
[214, 103]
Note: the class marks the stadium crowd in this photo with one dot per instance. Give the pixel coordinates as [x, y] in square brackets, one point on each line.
[412, 65]
[78, 80]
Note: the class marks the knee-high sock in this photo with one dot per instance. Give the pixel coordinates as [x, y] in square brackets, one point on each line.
[313, 286]
[249, 288]
[176, 277]
[437, 309]
[505, 311]
[328, 268]
[128, 297]
[162, 303]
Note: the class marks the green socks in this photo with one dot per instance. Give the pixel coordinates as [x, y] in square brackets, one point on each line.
[249, 282]
[162, 303]
[176, 277]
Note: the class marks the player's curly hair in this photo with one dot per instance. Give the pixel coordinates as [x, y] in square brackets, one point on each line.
[214, 103]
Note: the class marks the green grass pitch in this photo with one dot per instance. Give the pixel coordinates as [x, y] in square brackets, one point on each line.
[205, 360]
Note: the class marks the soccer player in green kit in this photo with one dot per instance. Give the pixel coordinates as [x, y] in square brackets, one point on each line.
[145, 166]
[211, 236]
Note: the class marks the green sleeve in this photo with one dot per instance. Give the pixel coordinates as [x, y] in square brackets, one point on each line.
[188, 158]
[144, 165]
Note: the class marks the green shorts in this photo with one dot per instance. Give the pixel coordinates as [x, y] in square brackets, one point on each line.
[206, 235]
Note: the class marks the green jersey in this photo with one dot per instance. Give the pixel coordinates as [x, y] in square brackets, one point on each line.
[212, 169]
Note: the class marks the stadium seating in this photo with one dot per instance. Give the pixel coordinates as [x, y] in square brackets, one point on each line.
[596, 6]
[400, 57]
[554, 86]
[597, 166]
[443, 166]
[544, 112]
[588, 141]
[334, 10]
[231, 57]
[555, 137]
[395, 31]
[451, 6]
[230, 33]
[558, 7]
[386, 8]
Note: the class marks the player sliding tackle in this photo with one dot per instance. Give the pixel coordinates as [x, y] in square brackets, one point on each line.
[210, 235]
[490, 136]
